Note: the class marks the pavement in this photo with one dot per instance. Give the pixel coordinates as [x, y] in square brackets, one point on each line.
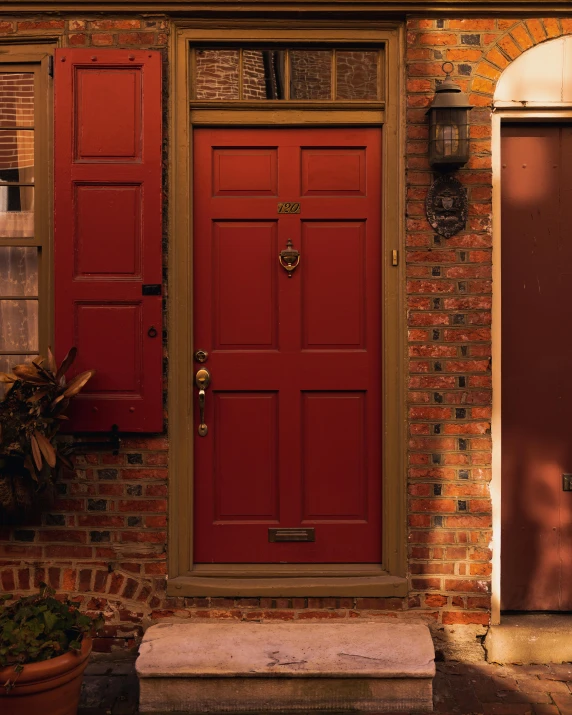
[110, 687]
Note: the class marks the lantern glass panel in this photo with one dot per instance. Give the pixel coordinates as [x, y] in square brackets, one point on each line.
[449, 136]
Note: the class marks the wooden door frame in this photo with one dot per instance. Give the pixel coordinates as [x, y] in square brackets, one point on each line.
[185, 578]
[537, 114]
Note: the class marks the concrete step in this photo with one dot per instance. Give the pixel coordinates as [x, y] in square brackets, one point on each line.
[531, 638]
[286, 667]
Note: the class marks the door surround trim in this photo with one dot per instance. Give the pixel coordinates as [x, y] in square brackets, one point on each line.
[537, 114]
[387, 579]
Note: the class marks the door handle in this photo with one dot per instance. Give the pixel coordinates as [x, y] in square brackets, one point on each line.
[202, 381]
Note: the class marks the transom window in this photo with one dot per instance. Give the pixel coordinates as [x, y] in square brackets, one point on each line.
[290, 74]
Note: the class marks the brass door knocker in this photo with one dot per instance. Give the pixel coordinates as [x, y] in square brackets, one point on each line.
[289, 258]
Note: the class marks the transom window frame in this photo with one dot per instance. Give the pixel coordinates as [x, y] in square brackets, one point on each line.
[185, 577]
[288, 101]
[35, 59]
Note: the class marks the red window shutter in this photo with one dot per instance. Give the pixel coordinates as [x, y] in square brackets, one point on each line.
[108, 230]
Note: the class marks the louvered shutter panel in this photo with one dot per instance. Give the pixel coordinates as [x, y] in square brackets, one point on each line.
[107, 238]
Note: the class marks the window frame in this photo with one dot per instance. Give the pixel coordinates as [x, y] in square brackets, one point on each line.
[35, 59]
[288, 101]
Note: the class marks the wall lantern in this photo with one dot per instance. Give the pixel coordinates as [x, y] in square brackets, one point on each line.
[446, 204]
[449, 125]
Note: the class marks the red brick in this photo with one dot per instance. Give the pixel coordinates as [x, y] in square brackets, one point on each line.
[69, 552]
[148, 474]
[521, 36]
[78, 40]
[102, 40]
[31, 25]
[24, 579]
[466, 586]
[437, 38]
[124, 24]
[136, 38]
[465, 617]
[156, 505]
[464, 55]
[7, 580]
[78, 537]
[320, 615]
[552, 27]
[471, 25]
[380, 604]
[69, 579]
[536, 30]
[426, 584]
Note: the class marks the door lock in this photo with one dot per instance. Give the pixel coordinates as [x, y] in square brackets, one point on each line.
[202, 381]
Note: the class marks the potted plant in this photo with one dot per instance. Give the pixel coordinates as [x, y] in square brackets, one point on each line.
[31, 412]
[44, 648]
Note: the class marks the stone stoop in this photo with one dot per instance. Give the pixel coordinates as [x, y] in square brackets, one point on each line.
[531, 638]
[286, 667]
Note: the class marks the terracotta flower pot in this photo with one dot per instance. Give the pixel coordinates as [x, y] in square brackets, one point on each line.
[51, 687]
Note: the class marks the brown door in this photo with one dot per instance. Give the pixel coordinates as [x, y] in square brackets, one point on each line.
[536, 553]
[293, 408]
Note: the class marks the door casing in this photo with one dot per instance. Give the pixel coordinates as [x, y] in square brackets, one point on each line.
[387, 578]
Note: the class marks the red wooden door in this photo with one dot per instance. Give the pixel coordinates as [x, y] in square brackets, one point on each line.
[536, 555]
[293, 409]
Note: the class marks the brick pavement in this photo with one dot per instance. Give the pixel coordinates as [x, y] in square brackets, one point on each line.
[110, 688]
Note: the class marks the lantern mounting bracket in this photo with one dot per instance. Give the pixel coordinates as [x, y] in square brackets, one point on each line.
[447, 206]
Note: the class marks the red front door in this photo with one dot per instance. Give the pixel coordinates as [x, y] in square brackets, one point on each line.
[536, 556]
[293, 409]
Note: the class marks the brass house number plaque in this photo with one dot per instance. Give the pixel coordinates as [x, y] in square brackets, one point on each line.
[289, 208]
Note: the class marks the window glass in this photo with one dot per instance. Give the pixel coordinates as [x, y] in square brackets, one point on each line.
[16, 99]
[310, 74]
[356, 72]
[217, 74]
[263, 74]
[18, 325]
[19, 265]
[294, 73]
[18, 271]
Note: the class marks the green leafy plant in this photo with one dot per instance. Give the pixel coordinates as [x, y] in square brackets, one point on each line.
[31, 413]
[40, 627]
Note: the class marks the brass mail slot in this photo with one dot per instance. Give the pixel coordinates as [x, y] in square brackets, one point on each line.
[291, 535]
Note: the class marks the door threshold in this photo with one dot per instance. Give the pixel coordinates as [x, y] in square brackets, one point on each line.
[314, 583]
[531, 638]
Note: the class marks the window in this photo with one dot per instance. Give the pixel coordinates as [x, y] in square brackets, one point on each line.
[23, 228]
[295, 74]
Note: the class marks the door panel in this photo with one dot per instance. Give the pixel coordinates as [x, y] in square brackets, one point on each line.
[294, 406]
[536, 367]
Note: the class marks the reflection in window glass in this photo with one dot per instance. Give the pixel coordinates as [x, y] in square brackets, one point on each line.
[17, 155]
[263, 74]
[18, 325]
[16, 211]
[16, 99]
[357, 72]
[18, 271]
[216, 75]
[310, 74]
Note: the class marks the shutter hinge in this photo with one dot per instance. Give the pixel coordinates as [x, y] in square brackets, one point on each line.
[51, 65]
[394, 257]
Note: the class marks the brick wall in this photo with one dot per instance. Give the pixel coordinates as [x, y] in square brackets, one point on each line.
[104, 541]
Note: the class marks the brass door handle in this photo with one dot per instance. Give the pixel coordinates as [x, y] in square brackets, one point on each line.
[202, 381]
